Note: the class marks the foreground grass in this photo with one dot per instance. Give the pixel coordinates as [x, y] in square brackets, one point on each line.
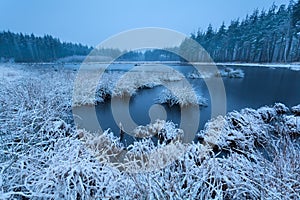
[251, 154]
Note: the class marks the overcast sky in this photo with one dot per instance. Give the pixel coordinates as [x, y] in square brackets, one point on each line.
[92, 21]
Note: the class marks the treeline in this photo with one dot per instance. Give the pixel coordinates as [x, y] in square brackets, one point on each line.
[29, 48]
[264, 36]
[151, 55]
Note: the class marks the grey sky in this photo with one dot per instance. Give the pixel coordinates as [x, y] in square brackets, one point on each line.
[93, 21]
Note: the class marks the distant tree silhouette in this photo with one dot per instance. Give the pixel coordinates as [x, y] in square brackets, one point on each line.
[263, 36]
[29, 48]
[271, 36]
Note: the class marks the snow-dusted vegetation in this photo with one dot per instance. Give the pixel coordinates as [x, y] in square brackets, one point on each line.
[165, 131]
[231, 73]
[183, 96]
[227, 72]
[118, 84]
[251, 154]
[198, 75]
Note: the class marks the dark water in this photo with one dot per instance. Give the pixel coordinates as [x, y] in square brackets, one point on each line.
[260, 86]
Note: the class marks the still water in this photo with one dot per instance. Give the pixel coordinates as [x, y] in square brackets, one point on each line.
[260, 86]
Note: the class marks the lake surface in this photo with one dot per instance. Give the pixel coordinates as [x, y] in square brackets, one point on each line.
[260, 86]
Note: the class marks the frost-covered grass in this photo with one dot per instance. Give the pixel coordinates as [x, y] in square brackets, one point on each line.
[11, 73]
[296, 110]
[183, 96]
[165, 131]
[231, 73]
[118, 84]
[203, 74]
[227, 72]
[43, 156]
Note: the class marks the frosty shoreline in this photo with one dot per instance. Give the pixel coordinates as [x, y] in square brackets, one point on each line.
[286, 65]
[43, 155]
[292, 66]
